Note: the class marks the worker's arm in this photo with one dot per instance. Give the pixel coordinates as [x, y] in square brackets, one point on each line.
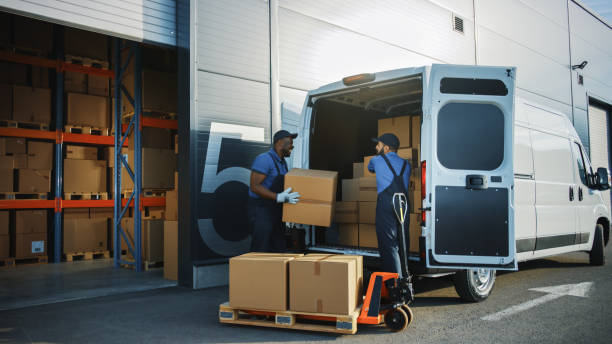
[260, 190]
[371, 165]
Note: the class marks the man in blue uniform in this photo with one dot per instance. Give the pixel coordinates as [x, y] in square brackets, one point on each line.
[266, 195]
[392, 176]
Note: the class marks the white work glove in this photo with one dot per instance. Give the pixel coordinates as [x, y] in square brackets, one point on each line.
[287, 197]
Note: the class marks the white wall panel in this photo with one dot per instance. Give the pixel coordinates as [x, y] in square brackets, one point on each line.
[589, 28]
[233, 38]
[139, 20]
[419, 25]
[597, 73]
[463, 8]
[555, 10]
[314, 53]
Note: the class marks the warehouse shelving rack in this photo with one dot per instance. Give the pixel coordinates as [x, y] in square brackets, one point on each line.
[60, 137]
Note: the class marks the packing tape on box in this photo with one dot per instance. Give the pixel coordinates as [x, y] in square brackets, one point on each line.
[317, 264]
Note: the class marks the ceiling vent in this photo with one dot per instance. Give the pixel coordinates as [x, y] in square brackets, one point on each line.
[457, 24]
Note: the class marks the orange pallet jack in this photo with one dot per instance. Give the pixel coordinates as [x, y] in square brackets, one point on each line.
[388, 294]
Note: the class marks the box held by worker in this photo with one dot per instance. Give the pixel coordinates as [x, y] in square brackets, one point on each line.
[317, 191]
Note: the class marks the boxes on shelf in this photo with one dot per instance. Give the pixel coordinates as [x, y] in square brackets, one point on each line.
[346, 212]
[171, 250]
[76, 213]
[87, 110]
[13, 73]
[85, 235]
[158, 91]
[350, 190]
[97, 85]
[158, 166]
[265, 290]
[30, 245]
[33, 181]
[317, 191]
[152, 238]
[153, 138]
[367, 235]
[14, 146]
[4, 222]
[40, 155]
[6, 101]
[109, 155]
[81, 152]
[6, 180]
[20, 161]
[101, 213]
[75, 82]
[400, 126]
[30, 233]
[84, 175]
[330, 284]
[32, 104]
[154, 213]
[348, 234]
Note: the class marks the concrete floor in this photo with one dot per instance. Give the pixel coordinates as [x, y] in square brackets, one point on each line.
[32, 285]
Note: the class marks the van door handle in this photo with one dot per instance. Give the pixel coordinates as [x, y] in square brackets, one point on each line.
[476, 182]
[580, 196]
[571, 193]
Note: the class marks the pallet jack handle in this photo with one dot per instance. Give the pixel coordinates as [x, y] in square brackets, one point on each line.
[400, 207]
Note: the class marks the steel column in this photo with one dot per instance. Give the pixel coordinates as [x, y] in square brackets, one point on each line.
[59, 163]
[118, 164]
[137, 156]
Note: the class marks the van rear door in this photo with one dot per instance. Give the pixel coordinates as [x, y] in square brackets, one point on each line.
[470, 177]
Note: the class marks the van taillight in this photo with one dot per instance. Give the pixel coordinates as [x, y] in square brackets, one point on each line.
[423, 191]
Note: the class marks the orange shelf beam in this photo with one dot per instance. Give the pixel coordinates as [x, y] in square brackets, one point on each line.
[57, 64]
[146, 202]
[27, 204]
[28, 133]
[64, 137]
[156, 123]
[91, 139]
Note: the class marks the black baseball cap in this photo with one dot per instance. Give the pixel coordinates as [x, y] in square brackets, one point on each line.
[388, 139]
[281, 134]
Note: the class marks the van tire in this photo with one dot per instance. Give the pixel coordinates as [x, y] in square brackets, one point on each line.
[474, 285]
[596, 255]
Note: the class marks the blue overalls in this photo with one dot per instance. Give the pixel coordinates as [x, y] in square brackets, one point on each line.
[387, 223]
[265, 216]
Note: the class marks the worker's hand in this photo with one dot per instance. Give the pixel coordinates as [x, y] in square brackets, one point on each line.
[287, 197]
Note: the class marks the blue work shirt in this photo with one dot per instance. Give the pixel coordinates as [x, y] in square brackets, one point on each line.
[384, 176]
[264, 164]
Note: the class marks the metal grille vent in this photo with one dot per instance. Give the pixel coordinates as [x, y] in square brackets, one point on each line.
[457, 24]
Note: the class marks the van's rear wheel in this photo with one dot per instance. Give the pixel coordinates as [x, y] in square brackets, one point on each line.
[474, 285]
[596, 255]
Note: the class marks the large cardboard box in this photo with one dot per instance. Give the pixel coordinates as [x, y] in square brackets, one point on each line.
[97, 85]
[172, 205]
[357, 170]
[346, 212]
[75, 82]
[32, 104]
[367, 189]
[158, 166]
[260, 281]
[86, 44]
[416, 131]
[348, 234]
[5, 245]
[101, 213]
[15, 146]
[329, 284]
[4, 223]
[76, 213]
[367, 235]
[350, 190]
[109, 155]
[7, 162]
[400, 126]
[84, 175]
[87, 110]
[35, 181]
[30, 245]
[40, 77]
[367, 212]
[158, 91]
[317, 191]
[6, 101]
[415, 232]
[152, 238]
[2, 145]
[171, 250]
[20, 161]
[6, 180]
[153, 138]
[366, 162]
[155, 213]
[30, 221]
[40, 155]
[85, 235]
[81, 152]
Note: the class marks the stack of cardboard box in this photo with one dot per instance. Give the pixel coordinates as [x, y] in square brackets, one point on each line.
[86, 230]
[30, 238]
[30, 162]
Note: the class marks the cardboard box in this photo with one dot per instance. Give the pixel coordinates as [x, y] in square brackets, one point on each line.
[329, 284]
[366, 161]
[30, 221]
[101, 213]
[154, 213]
[158, 166]
[367, 235]
[4, 223]
[15, 145]
[126, 181]
[346, 212]
[40, 77]
[357, 170]
[109, 155]
[416, 131]
[87, 110]
[176, 181]
[6, 180]
[35, 181]
[152, 238]
[84, 175]
[20, 161]
[172, 205]
[81, 152]
[6, 162]
[367, 212]
[86, 44]
[32, 33]
[259, 281]
[30, 245]
[415, 232]
[348, 234]
[400, 126]
[85, 235]
[2, 145]
[317, 191]
[158, 91]
[40, 155]
[350, 190]
[415, 200]
[75, 82]
[32, 104]
[153, 138]
[97, 85]
[76, 213]
[367, 189]
[6, 101]
[171, 250]
[5, 245]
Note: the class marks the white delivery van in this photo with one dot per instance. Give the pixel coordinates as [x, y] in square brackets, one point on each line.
[503, 180]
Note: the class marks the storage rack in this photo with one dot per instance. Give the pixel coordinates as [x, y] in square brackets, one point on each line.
[60, 137]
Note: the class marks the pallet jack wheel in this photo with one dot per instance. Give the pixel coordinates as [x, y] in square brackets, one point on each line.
[396, 319]
[409, 313]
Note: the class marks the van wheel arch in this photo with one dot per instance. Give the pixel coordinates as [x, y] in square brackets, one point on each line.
[605, 223]
[474, 285]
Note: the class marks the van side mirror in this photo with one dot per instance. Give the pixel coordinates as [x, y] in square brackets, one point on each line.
[602, 182]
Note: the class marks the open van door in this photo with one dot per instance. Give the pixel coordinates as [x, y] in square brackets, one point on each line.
[292, 121]
[470, 180]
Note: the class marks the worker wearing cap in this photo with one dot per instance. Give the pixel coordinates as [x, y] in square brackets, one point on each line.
[392, 176]
[267, 195]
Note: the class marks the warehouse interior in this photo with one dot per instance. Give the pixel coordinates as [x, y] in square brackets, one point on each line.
[58, 100]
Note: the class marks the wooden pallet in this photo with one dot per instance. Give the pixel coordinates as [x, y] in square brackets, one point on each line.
[76, 129]
[87, 61]
[14, 262]
[86, 255]
[23, 195]
[85, 196]
[344, 324]
[150, 113]
[7, 123]
[145, 193]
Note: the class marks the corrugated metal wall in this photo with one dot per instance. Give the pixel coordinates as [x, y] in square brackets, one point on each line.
[599, 138]
[144, 20]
